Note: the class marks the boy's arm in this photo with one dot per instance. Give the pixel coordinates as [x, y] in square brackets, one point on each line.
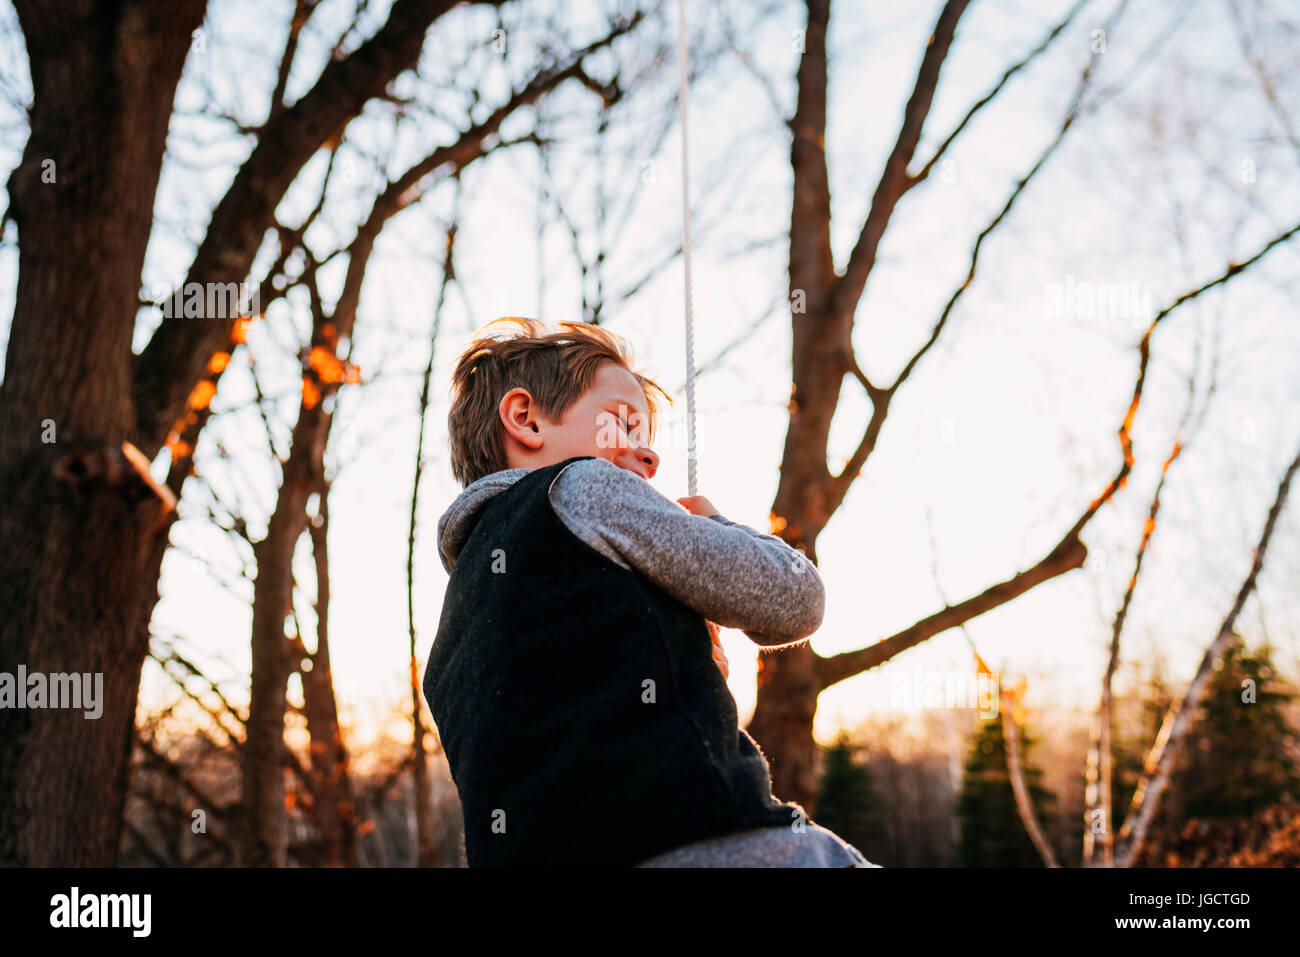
[730, 573]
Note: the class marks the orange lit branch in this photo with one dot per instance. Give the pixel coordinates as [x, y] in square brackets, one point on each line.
[1068, 554]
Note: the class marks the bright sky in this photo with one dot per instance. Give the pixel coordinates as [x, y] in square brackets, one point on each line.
[1003, 434]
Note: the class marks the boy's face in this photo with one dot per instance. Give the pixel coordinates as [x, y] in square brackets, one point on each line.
[611, 420]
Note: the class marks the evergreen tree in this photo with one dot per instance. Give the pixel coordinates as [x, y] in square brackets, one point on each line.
[847, 803]
[992, 833]
[1237, 760]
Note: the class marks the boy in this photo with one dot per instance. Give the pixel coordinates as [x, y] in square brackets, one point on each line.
[576, 678]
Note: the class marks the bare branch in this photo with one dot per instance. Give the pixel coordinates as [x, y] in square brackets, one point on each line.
[1182, 714]
[160, 761]
[729, 34]
[1266, 84]
[1097, 794]
[1067, 555]
[302, 11]
[1024, 806]
[880, 398]
[1010, 728]
[997, 88]
[894, 180]
[174, 358]
[1144, 349]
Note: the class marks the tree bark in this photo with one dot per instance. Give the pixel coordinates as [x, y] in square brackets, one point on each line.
[822, 308]
[180, 348]
[81, 527]
[425, 846]
[1016, 772]
[84, 533]
[332, 791]
[265, 839]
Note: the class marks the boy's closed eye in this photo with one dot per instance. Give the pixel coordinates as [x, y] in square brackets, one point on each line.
[624, 423]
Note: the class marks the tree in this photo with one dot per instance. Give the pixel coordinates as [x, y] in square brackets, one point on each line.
[992, 832]
[1179, 719]
[82, 415]
[1236, 770]
[847, 803]
[824, 300]
[1239, 756]
[1149, 700]
[304, 470]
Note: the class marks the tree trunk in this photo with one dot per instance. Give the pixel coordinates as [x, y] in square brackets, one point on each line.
[787, 680]
[1015, 771]
[83, 532]
[332, 793]
[265, 839]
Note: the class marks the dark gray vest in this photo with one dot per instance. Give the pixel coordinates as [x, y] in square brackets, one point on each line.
[584, 719]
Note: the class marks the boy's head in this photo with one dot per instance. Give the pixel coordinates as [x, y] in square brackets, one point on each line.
[528, 398]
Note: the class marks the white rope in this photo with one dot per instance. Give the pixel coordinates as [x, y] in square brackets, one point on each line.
[683, 59]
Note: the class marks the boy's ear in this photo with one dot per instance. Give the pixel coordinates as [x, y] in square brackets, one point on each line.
[519, 417]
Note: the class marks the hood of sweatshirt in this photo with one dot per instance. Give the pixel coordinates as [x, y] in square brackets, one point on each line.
[455, 525]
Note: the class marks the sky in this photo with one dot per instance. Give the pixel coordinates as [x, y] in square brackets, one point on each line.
[1001, 436]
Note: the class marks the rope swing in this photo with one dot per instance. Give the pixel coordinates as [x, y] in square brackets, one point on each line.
[683, 56]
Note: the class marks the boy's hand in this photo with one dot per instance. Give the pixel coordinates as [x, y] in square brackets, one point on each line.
[698, 505]
[718, 657]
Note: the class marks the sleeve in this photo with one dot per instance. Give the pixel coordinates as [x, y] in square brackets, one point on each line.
[728, 572]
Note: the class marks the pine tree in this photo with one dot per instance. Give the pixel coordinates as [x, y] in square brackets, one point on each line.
[847, 803]
[992, 833]
[1237, 760]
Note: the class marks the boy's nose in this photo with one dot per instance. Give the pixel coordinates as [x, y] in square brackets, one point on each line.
[650, 459]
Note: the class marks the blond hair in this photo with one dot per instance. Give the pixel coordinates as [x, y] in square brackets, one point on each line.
[555, 367]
